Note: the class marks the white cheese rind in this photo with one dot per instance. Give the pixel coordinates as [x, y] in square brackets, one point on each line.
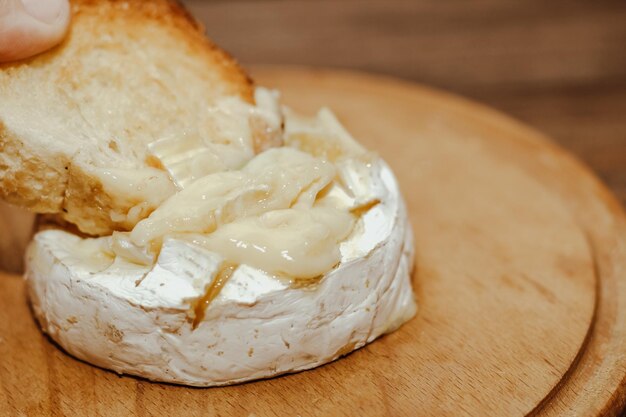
[133, 321]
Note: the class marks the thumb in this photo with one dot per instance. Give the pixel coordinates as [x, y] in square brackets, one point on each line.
[28, 27]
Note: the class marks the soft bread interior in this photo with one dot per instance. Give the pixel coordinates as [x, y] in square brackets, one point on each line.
[75, 122]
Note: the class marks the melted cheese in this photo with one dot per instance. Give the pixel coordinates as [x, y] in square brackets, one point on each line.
[247, 217]
[273, 180]
[285, 211]
[297, 243]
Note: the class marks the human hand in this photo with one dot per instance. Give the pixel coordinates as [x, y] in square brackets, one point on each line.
[28, 27]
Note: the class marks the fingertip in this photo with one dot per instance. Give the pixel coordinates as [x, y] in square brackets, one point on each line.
[50, 12]
[27, 30]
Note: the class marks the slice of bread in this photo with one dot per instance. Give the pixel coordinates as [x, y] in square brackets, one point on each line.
[75, 121]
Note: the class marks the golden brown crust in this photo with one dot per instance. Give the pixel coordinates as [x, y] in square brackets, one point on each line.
[28, 180]
[175, 15]
[89, 206]
[85, 204]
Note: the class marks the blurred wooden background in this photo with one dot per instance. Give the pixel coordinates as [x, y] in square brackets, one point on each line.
[557, 65]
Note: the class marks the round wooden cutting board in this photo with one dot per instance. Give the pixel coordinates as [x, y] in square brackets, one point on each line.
[520, 276]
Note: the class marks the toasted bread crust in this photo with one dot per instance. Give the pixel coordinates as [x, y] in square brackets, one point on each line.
[28, 180]
[48, 180]
[172, 14]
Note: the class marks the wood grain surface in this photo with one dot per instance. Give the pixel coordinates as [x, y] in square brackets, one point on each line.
[558, 65]
[16, 227]
[521, 256]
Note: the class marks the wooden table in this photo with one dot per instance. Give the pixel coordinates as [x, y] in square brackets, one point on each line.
[559, 66]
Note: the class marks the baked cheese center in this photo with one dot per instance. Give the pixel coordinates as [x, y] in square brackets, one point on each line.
[284, 211]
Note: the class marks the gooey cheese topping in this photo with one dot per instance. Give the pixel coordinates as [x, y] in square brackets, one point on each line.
[284, 211]
[299, 243]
